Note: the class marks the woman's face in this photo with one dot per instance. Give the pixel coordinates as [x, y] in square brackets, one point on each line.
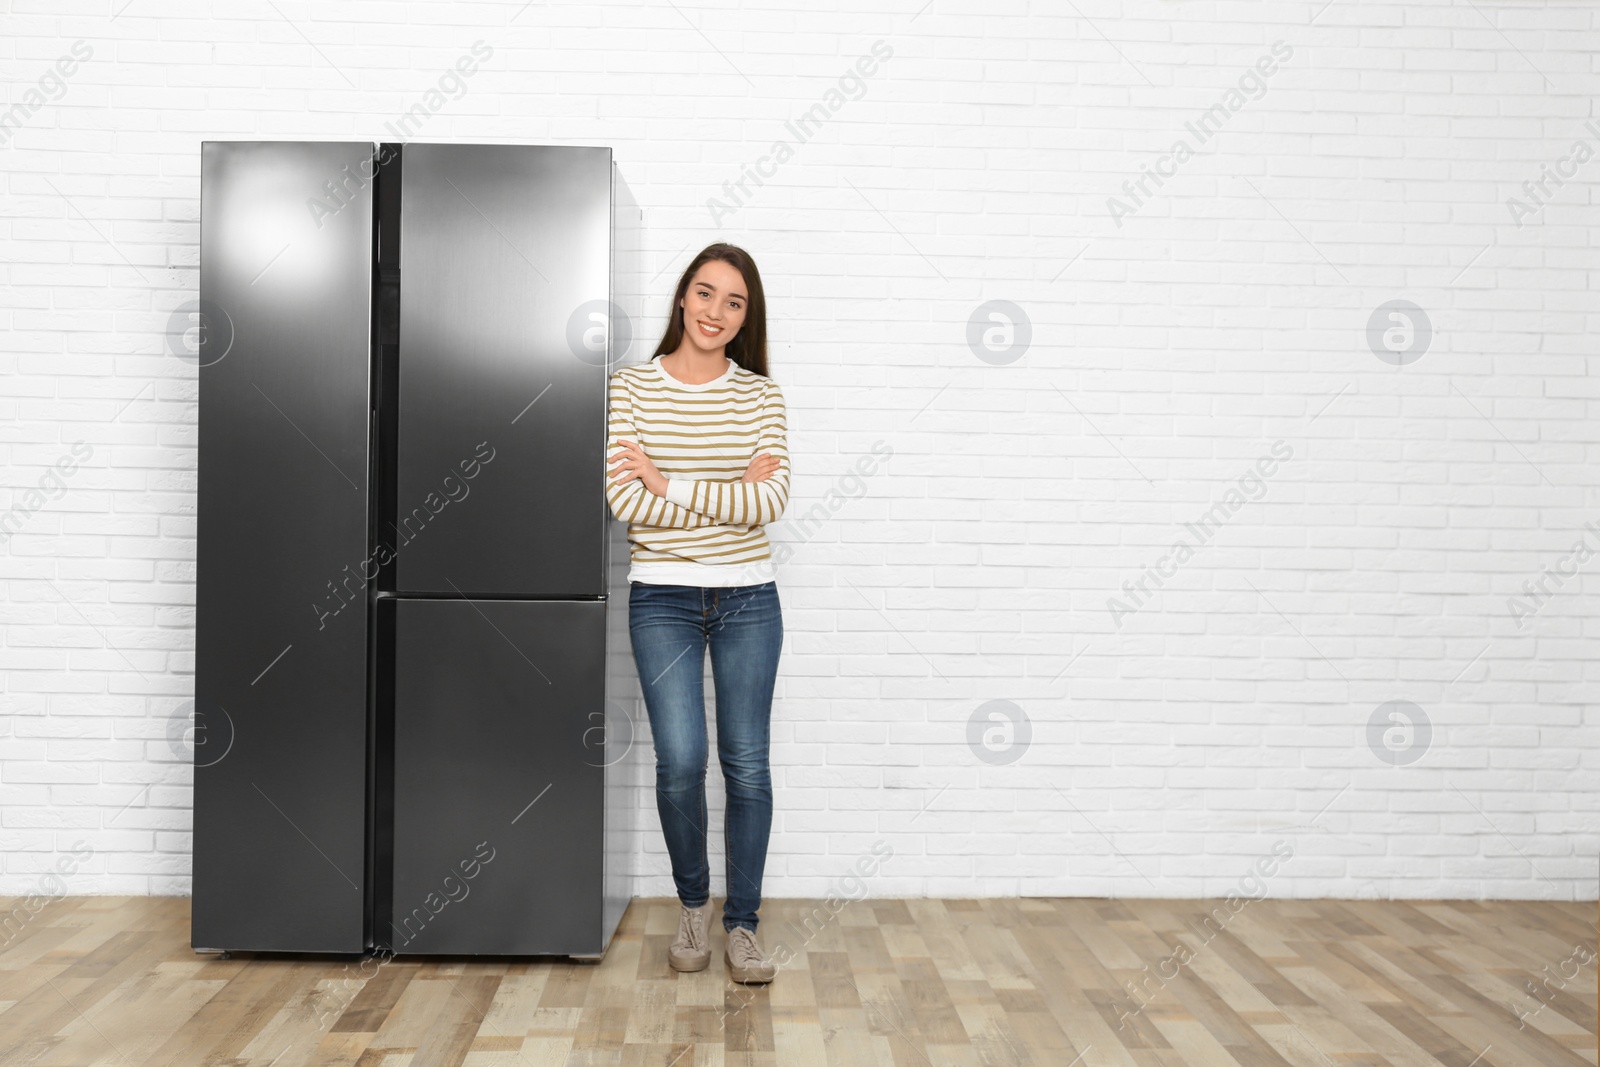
[714, 305]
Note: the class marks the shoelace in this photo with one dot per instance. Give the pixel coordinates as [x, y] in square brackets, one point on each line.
[742, 946]
[689, 931]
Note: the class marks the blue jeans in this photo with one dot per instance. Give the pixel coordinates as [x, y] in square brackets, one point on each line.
[670, 626]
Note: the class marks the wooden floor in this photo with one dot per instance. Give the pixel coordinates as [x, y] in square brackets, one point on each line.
[912, 983]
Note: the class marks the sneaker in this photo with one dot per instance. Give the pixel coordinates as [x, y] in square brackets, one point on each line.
[746, 963]
[691, 950]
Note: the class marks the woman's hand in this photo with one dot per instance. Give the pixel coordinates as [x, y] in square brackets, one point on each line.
[629, 462]
[761, 468]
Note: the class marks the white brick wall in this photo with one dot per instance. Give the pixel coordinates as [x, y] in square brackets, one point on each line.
[1226, 309]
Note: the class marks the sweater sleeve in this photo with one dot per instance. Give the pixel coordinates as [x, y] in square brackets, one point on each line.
[736, 501]
[630, 501]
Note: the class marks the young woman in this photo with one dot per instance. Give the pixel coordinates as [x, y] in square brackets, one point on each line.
[698, 465]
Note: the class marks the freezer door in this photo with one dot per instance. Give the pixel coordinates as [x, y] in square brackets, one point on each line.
[500, 753]
[505, 265]
[280, 710]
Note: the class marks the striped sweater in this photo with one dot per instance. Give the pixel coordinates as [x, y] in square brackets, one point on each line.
[709, 528]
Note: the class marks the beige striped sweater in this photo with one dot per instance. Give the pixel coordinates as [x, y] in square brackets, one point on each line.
[710, 527]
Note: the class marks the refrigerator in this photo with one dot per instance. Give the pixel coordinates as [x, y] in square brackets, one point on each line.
[414, 694]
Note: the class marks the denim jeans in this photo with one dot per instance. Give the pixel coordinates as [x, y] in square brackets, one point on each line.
[670, 626]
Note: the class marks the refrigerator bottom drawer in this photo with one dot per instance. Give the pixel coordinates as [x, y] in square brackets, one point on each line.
[498, 778]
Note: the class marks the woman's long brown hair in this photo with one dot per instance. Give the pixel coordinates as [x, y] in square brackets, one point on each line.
[749, 346]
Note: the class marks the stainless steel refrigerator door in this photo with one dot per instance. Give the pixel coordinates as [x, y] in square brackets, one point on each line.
[280, 612]
[500, 756]
[505, 267]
